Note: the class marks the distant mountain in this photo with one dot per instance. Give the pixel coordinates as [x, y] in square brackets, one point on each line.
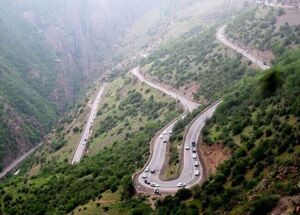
[49, 51]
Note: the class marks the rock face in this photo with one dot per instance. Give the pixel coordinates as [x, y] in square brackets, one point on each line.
[82, 34]
[50, 50]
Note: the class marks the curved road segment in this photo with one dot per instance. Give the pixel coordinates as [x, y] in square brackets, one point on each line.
[157, 159]
[222, 38]
[86, 133]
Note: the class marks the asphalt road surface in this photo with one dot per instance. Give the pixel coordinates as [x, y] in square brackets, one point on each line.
[157, 158]
[87, 130]
[221, 37]
[18, 161]
[187, 103]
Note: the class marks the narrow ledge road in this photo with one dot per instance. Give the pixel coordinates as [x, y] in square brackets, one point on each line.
[147, 180]
[222, 38]
[18, 161]
[81, 147]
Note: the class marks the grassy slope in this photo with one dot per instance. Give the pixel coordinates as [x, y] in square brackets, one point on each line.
[108, 169]
[259, 120]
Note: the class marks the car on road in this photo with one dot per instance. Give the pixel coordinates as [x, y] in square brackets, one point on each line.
[147, 169]
[187, 147]
[156, 190]
[197, 173]
[152, 171]
[153, 184]
[193, 143]
[181, 184]
[164, 133]
[161, 136]
[196, 163]
[144, 175]
[170, 132]
[147, 182]
[194, 156]
[194, 149]
[165, 140]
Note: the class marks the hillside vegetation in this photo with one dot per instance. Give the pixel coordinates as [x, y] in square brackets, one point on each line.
[266, 29]
[50, 51]
[259, 121]
[129, 116]
[197, 59]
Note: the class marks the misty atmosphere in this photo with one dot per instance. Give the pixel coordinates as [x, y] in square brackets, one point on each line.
[141, 107]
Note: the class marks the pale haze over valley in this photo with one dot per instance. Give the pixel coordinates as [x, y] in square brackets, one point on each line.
[149, 107]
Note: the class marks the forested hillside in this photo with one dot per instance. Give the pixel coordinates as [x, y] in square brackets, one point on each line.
[259, 121]
[129, 117]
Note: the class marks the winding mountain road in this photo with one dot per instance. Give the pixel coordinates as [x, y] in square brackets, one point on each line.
[86, 133]
[222, 38]
[159, 148]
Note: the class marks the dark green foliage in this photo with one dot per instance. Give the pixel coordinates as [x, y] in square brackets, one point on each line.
[270, 82]
[271, 136]
[183, 194]
[263, 204]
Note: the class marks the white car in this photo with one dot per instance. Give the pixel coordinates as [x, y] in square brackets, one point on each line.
[187, 147]
[147, 169]
[194, 156]
[197, 173]
[165, 140]
[194, 149]
[153, 184]
[170, 132]
[144, 175]
[164, 133]
[181, 184]
[161, 136]
[196, 163]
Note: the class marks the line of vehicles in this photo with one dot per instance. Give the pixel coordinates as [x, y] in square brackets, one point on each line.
[152, 171]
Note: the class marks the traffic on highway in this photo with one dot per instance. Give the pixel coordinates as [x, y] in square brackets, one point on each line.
[148, 180]
[87, 130]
